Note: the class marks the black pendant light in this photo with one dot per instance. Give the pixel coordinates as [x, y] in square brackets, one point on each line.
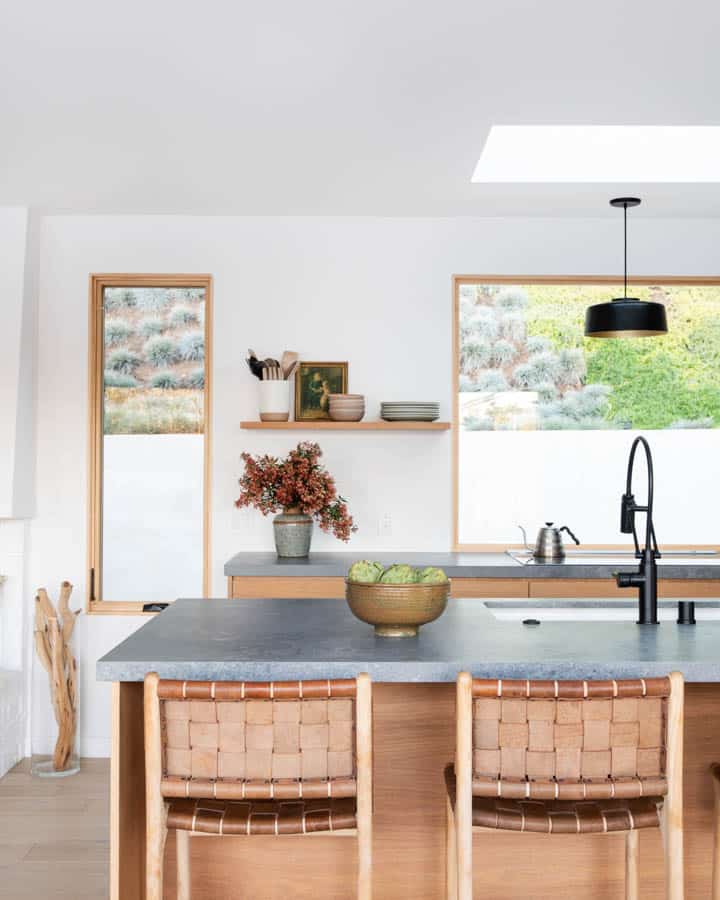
[625, 316]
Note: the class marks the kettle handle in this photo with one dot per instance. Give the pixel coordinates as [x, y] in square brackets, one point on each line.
[527, 547]
[565, 528]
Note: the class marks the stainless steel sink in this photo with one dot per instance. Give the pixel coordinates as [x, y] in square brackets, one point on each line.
[605, 610]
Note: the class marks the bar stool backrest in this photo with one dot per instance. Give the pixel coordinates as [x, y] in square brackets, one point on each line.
[258, 740]
[570, 740]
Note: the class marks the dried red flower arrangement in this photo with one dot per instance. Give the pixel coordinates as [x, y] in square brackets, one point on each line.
[298, 481]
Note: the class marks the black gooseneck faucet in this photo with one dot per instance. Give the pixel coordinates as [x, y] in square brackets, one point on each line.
[645, 579]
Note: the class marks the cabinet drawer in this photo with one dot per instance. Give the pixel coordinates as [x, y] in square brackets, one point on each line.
[576, 587]
[253, 588]
[489, 587]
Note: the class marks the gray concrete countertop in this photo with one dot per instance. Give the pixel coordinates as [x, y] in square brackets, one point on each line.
[279, 640]
[463, 565]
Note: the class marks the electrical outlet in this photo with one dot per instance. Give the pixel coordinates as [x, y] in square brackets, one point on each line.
[385, 525]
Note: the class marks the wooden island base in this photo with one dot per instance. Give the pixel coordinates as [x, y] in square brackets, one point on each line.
[414, 739]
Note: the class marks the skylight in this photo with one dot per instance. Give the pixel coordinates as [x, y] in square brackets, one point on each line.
[600, 153]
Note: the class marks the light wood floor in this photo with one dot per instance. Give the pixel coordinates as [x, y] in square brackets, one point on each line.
[54, 834]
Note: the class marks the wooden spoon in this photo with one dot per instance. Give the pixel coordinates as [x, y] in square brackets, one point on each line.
[287, 363]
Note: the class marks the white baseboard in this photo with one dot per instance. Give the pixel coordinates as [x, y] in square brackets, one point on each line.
[95, 747]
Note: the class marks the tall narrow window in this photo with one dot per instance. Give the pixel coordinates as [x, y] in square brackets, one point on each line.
[149, 453]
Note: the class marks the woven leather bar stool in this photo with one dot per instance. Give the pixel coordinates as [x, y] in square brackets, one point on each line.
[248, 758]
[567, 757]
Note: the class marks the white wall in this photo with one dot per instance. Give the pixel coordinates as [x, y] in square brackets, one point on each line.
[17, 329]
[18, 295]
[376, 292]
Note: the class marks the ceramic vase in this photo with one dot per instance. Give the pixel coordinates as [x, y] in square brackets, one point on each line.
[293, 533]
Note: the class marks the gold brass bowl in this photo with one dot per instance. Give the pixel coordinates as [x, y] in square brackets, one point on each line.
[396, 610]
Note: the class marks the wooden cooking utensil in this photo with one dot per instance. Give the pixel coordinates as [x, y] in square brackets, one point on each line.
[287, 363]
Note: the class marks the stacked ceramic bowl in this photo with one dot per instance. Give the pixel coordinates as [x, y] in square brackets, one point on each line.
[409, 411]
[346, 407]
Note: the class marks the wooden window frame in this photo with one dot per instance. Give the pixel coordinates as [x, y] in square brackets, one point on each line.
[457, 282]
[96, 337]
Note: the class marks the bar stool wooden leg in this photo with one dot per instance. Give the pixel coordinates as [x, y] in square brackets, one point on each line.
[632, 875]
[463, 786]
[155, 852]
[673, 806]
[182, 849]
[715, 769]
[155, 809]
[364, 886]
[451, 862]
[364, 787]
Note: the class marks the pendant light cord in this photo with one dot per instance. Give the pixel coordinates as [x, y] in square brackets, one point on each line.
[625, 244]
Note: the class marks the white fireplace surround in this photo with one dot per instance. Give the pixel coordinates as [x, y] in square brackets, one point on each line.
[14, 655]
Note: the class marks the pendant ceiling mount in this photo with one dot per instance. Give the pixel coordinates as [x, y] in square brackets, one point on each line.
[625, 202]
[625, 316]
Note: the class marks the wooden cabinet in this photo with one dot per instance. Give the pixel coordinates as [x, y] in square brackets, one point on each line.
[602, 587]
[242, 587]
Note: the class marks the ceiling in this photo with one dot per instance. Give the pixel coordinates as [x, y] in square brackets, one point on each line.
[334, 107]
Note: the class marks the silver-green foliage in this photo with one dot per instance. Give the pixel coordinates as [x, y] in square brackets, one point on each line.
[152, 299]
[503, 352]
[164, 380]
[491, 380]
[546, 391]
[119, 380]
[538, 343]
[484, 322]
[511, 298]
[183, 315]
[572, 366]
[512, 326]
[523, 376]
[123, 360]
[475, 352]
[191, 346]
[161, 351]
[545, 366]
[119, 298]
[152, 326]
[117, 332]
[582, 409]
[195, 379]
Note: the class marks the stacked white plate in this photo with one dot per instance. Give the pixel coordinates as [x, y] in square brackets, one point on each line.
[409, 411]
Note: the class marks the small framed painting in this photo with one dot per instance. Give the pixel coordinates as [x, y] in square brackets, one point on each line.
[314, 382]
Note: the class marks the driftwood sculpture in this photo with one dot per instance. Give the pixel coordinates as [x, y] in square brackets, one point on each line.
[53, 631]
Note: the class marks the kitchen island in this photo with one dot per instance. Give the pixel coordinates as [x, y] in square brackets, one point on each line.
[414, 739]
[583, 573]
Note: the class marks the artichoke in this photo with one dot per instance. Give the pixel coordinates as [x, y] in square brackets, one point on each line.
[365, 571]
[399, 574]
[432, 575]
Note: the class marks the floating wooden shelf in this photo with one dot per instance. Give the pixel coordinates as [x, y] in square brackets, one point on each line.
[347, 426]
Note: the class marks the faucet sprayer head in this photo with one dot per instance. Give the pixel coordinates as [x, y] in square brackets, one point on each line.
[627, 513]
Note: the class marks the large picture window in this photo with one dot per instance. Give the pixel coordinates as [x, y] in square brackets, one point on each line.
[149, 459]
[523, 364]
